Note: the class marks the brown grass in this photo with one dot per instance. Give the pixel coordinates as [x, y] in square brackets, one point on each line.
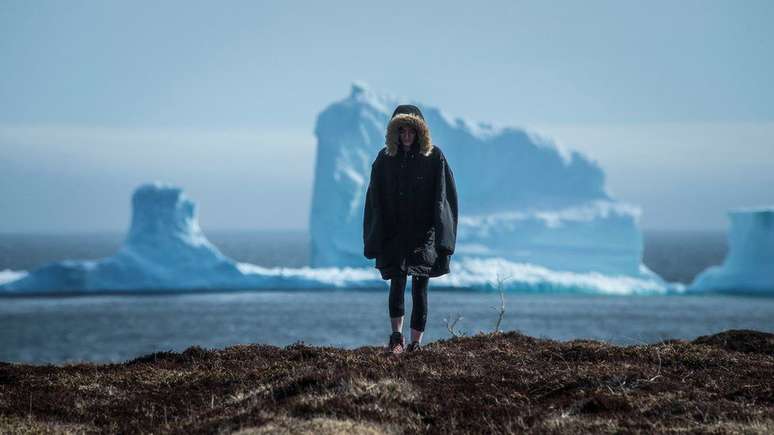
[488, 383]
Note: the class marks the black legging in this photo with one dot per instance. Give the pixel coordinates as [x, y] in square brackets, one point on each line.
[418, 297]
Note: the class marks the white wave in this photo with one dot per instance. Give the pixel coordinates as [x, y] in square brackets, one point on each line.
[8, 275]
[468, 273]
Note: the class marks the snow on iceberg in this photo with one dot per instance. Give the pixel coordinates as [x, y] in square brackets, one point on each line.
[749, 264]
[8, 275]
[521, 197]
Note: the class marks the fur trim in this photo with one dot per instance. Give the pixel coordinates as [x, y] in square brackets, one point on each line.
[393, 133]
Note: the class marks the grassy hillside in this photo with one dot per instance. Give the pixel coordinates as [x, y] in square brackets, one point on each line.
[486, 383]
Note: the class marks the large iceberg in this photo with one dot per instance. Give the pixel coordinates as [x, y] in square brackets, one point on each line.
[521, 198]
[749, 264]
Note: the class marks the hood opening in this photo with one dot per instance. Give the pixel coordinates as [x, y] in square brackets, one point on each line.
[423, 140]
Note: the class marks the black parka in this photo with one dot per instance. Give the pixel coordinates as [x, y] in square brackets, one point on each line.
[410, 215]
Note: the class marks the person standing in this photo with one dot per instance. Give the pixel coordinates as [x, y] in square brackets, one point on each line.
[410, 218]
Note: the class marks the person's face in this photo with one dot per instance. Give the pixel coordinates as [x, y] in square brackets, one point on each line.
[407, 135]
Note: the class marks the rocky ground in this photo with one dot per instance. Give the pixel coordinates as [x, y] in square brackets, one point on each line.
[488, 383]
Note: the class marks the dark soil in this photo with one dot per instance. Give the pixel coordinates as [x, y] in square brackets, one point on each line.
[488, 383]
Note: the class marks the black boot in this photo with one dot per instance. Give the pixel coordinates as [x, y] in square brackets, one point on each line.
[396, 343]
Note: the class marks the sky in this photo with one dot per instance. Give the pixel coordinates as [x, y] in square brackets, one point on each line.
[673, 99]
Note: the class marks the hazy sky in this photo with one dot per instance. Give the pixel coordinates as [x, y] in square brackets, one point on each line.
[674, 99]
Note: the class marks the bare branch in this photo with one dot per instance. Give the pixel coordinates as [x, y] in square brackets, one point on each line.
[500, 282]
[451, 324]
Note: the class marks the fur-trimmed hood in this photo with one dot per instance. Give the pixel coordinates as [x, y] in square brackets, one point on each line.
[410, 116]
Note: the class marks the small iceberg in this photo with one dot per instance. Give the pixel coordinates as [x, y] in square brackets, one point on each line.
[749, 266]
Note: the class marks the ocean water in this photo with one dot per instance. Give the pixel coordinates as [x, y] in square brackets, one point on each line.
[117, 328]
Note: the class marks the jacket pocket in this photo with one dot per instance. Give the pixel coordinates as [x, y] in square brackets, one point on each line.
[425, 254]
